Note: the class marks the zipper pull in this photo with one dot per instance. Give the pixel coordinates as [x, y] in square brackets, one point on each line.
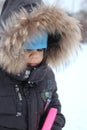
[47, 103]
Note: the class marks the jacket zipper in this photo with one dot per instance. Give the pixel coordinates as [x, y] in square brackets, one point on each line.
[19, 101]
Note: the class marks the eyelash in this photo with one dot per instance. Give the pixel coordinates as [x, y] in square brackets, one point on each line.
[39, 49]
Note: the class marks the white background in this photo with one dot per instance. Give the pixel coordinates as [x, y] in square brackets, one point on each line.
[72, 81]
[72, 90]
[69, 5]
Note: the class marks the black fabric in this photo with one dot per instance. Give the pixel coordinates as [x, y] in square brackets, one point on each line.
[56, 127]
[14, 5]
[5, 128]
[33, 100]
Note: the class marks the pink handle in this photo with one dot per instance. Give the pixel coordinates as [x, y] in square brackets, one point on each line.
[50, 119]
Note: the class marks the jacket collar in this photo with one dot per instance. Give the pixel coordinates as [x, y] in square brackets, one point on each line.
[30, 75]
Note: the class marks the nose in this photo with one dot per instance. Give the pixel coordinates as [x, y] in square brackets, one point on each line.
[33, 52]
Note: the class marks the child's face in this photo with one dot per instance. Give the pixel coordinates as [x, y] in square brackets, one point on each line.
[33, 57]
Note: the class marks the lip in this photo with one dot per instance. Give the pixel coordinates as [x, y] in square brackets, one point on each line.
[33, 64]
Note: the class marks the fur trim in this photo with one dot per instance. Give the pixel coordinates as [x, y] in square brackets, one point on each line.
[22, 25]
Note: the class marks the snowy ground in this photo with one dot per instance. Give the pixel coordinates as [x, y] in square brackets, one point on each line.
[72, 89]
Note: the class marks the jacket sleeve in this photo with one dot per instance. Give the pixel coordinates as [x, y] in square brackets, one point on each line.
[55, 103]
[60, 119]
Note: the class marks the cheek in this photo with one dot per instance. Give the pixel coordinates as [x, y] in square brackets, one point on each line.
[40, 56]
[37, 59]
[26, 57]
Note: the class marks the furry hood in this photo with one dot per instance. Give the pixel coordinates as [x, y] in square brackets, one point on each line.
[64, 36]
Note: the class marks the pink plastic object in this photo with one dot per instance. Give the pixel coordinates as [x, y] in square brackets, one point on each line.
[50, 119]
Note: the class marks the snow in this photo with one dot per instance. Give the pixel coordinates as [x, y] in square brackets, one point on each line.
[72, 87]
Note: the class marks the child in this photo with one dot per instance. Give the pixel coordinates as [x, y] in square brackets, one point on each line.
[29, 42]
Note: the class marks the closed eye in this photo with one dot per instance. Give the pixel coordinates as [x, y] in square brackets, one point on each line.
[39, 49]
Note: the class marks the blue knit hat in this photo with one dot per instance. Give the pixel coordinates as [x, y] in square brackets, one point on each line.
[37, 42]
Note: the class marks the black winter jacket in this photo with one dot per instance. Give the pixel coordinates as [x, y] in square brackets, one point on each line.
[23, 99]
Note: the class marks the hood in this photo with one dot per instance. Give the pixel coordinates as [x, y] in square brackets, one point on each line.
[14, 5]
[63, 30]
